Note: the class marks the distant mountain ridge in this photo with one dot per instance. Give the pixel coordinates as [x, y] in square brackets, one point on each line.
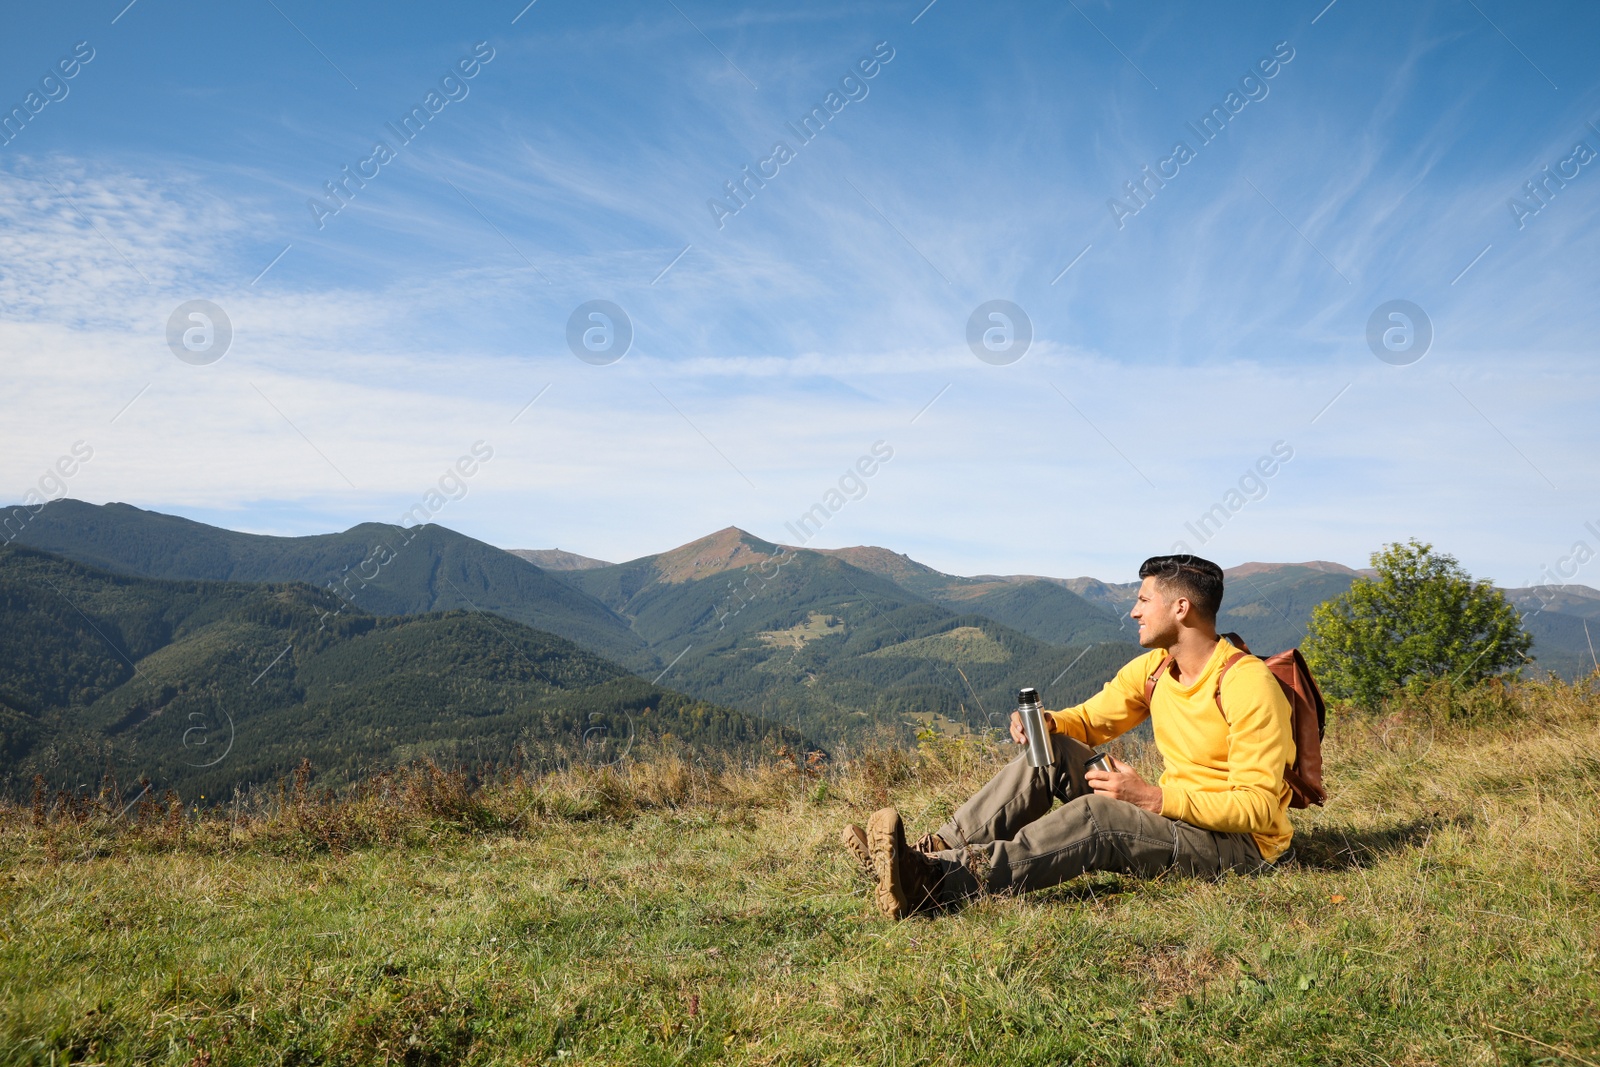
[1042, 608]
[375, 567]
[1244, 570]
[554, 559]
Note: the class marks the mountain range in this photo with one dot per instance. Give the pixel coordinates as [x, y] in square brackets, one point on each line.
[828, 644]
[209, 685]
[792, 636]
[833, 645]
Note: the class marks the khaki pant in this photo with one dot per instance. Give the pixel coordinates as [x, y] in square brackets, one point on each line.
[1008, 838]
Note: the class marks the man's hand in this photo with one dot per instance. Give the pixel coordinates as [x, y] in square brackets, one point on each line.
[1020, 735]
[1123, 783]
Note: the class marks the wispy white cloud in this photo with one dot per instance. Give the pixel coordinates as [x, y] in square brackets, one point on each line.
[813, 323]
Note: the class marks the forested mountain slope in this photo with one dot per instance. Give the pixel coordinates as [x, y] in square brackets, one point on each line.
[832, 649]
[211, 685]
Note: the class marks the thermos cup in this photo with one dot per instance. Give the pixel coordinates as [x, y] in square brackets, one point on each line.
[1100, 761]
[1040, 753]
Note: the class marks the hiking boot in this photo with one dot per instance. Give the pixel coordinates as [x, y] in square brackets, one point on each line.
[854, 839]
[906, 878]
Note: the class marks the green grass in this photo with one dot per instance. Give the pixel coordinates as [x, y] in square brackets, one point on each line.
[1447, 911]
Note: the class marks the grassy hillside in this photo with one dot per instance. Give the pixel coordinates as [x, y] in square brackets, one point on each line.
[208, 686]
[374, 567]
[1446, 910]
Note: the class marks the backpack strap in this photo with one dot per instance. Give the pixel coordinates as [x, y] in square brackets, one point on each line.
[1155, 676]
[1166, 661]
[1223, 673]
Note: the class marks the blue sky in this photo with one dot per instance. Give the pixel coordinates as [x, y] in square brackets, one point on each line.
[1173, 346]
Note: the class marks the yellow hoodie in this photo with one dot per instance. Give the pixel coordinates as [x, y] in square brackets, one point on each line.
[1221, 774]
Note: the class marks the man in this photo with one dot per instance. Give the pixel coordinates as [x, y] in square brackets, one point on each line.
[1221, 804]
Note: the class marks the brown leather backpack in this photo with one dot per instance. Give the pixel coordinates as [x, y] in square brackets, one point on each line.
[1307, 716]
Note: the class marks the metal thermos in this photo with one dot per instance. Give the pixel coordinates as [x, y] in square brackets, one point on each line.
[1040, 752]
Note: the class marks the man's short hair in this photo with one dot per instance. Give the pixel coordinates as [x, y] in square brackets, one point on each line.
[1190, 576]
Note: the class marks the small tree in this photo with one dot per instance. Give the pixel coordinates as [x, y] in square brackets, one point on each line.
[1422, 618]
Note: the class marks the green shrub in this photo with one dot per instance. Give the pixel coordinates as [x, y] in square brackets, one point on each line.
[1421, 620]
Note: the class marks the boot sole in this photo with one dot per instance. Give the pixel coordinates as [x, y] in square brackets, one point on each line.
[886, 839]
[854, 839]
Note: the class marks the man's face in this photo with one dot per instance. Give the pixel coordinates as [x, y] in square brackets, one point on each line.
[1156, 615]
